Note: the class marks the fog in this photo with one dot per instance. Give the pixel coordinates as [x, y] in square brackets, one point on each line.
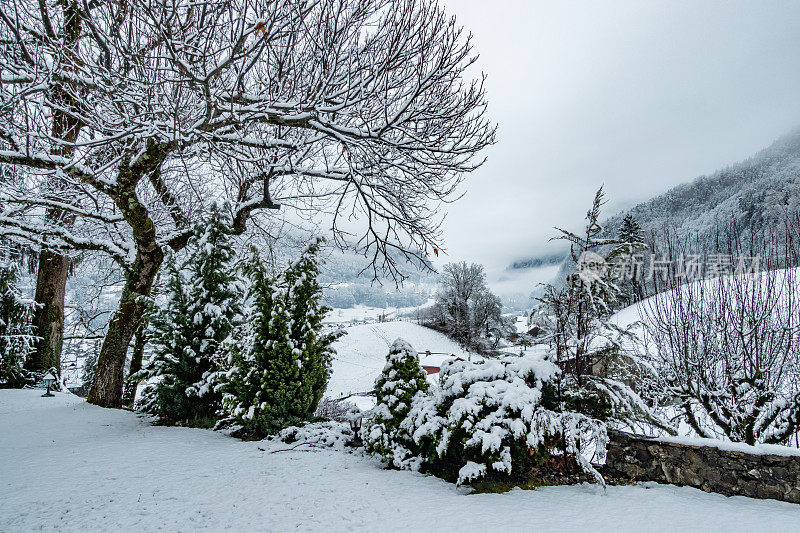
[639, 96]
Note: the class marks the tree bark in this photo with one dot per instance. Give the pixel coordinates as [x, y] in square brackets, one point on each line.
[109, 375]
[51, 281]
[49, 317]
[140, 340]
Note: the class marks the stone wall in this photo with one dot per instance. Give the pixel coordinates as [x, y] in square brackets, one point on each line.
[757, 475]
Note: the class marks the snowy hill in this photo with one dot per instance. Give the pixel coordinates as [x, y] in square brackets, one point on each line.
[361, 354]
[758, 193]
[69, 466]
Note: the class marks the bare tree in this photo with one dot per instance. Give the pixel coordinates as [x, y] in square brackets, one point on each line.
[357, 107]
[465, 308]
[727, 349]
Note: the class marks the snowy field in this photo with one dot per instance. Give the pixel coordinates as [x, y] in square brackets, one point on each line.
[71, 466]
[363, 313]
[361, 354]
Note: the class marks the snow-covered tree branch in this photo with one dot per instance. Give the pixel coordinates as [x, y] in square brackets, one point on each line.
[359, 108]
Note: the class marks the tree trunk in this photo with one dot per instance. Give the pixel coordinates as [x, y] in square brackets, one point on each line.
[51, 279]
[140, 340]
[49, 318]
[109, 377]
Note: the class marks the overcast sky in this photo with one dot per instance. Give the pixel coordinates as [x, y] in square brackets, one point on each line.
[637, 95]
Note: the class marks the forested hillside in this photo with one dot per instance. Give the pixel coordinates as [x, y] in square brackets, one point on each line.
[757, 194]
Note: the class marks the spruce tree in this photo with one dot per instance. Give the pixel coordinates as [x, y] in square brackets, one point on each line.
[16, 331]
[304, 296]
[280, 357]
[630, 233]
[629, 267]
[401, 379]
[190, 330]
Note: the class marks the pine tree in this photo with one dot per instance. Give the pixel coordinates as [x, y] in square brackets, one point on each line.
[585, 342]
[280, 357]
[630, 238]
[189, 332]
[401, 379]
[312, 347]
[16, 331]
[592, 283]
[630, 233]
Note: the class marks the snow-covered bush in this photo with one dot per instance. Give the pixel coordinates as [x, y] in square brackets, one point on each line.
[488, 419]
[87, 373]
[279, 358]
[190, 330]
[401, 380]
[16, 331]
[328, 434]
[336, 410]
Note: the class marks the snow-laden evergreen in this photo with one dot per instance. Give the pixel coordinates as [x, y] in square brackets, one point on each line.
[280, 358]
[492, 418]
[203, 304]
[17, 335]
[401, 380]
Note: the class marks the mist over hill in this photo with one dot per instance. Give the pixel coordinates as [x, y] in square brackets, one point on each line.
[758, 195]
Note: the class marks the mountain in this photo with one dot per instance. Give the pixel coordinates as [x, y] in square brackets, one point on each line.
[759, 194]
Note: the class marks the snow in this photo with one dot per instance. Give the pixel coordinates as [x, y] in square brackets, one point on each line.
[758, 449]
[361, 354]
[71, 466]
[364, 313]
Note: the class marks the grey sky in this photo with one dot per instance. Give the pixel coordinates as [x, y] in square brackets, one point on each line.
[638, 95]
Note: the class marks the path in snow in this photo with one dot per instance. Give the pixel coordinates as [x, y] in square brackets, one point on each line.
[71, 466]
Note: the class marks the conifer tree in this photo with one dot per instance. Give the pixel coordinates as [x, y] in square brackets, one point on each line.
[630, 233]
[586, 344]
[401, 379]
[189, 332]
[629, 267]
[16, 331]
[280, 357]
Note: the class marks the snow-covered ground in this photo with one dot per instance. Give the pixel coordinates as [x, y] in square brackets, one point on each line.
[362, 313]
[361, 354]
[71, 466]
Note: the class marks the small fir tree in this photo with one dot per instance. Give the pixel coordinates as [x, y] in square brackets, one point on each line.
[280, 357]
[17, 337]
[400, 381]
[202, 308]
[628, 261]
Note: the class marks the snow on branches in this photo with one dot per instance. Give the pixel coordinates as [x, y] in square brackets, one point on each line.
[126, 120]
[17, 336]
[489, 417]
[121, 113]
[279, 357]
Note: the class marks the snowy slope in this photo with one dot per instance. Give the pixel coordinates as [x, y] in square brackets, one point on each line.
[361, 354]
[633, 313]
[70, 466]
